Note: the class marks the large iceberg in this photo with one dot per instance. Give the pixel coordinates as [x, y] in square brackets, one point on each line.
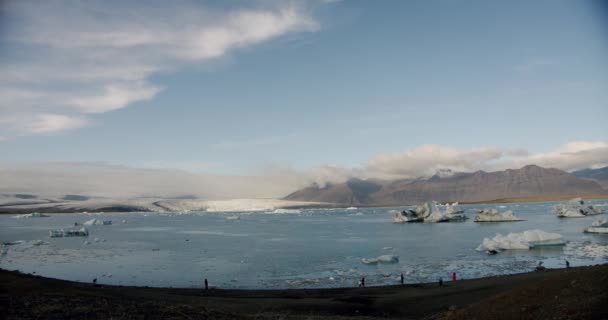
[387, 258]
[69, 232]
[430, 212]
[576, 208]
[97, 222]
[492, 215]
[600, 226]
[522, 240]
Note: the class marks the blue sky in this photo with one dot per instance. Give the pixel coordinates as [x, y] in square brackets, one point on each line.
[352, 84]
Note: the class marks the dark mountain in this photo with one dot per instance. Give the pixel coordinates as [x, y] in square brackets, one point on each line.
[354, 191]
[598, 175]
[529, 181]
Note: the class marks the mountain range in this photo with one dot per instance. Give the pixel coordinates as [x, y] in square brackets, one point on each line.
[449, 186]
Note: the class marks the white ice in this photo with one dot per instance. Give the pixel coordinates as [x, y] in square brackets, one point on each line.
[387, 258]
[599, 226]
[575, 208]
[430, 212]
[522, 240]
[492, 215]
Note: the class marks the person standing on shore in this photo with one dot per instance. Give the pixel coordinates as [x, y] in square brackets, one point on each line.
[440, 281]
[567, 264]
[453, 276]
[206, 284]
[402, 279]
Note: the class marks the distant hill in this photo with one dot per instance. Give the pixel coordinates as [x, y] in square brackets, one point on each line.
[598, 175]
[529, 181]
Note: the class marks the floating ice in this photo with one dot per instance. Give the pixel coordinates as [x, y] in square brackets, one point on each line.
[522, 240]
[31, 215]
[387, 258]
[233, 218]
[575, 208]
[69, 232]
[430, 212]
[351, 208]
[492, 215]
[286, 211]
[599, 226]
[97, 222]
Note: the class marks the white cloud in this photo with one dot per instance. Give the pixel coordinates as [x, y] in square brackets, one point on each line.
[85, 58]
[115, 97]
[47, 123]
[427, 159]
[163, 180]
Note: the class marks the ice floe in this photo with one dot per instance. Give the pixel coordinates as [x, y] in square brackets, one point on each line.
[97, 222]
[522, 240]
[492, 215]
[599, 226]
[233, 218]
[430, 212]
[575, 208]
[387, 258]
[69, 232]
[281, 211]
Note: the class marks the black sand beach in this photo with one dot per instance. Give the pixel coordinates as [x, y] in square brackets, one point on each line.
[576, 293]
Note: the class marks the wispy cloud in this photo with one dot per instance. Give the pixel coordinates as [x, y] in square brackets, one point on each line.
[167, 179]
[84, 58]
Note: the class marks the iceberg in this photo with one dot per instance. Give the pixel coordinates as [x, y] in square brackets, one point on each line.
[430, 212]
[492, 215]
[522, 240]
[31, 215]
[69, 232]
[97, 222]
[387, 258]
[599, 226]
[576, 208]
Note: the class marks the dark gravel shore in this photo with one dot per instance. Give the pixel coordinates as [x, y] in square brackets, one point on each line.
[576, 293]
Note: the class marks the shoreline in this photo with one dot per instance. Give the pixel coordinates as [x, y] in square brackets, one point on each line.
[574, 293]
[11, 210]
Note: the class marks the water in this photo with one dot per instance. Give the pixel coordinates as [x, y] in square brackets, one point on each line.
[315, 248]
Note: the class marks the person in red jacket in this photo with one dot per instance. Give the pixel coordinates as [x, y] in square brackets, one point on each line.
[453, 276]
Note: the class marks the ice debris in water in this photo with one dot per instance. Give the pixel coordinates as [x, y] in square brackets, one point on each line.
[430, 212]
[575, 208]
[69, 232]
[599, 226]
[387, 258]
[522, 240]
[233, 218]
[281, 211]
[492, 215]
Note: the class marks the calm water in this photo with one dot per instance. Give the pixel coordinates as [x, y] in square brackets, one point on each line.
[315, 248]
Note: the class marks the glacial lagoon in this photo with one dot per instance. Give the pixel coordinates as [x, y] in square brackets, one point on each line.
[308, 248]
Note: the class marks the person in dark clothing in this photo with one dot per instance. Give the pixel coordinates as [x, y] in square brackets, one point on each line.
[402, 279]
[567, 264]
[206, 284]
[440, 281]
[363, 281]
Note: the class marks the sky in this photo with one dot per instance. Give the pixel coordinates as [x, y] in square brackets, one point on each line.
[301, 91]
